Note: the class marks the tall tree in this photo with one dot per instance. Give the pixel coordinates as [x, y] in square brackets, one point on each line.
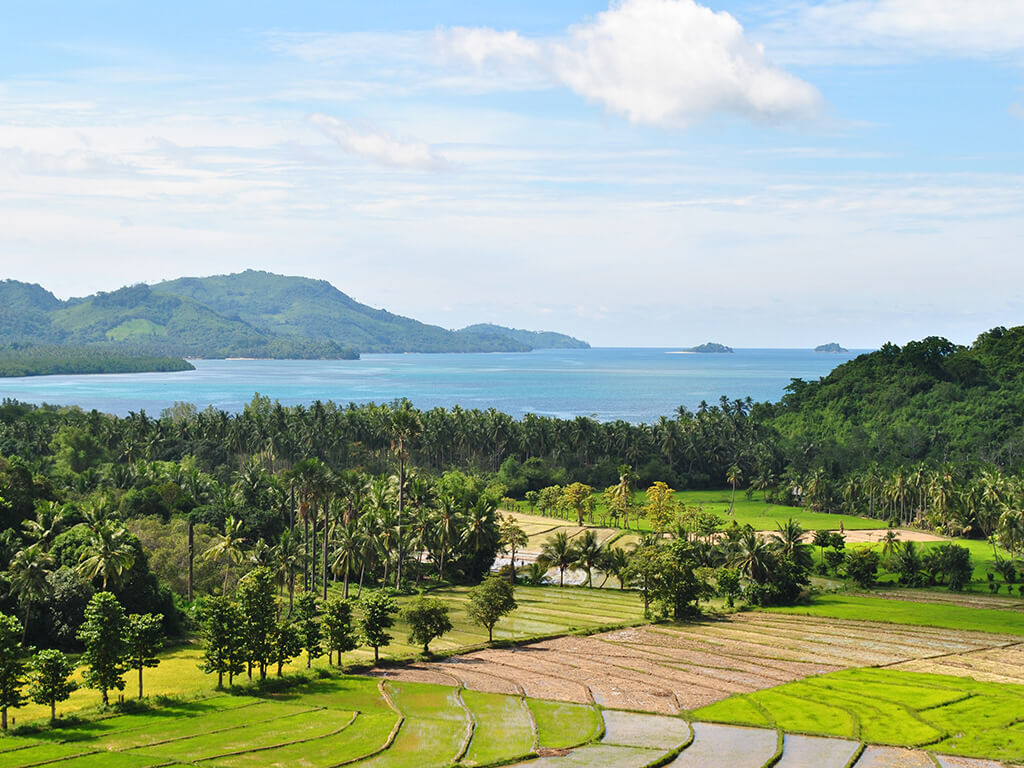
[27, 573]
[143, 639]
[489, 601]
[428, 620]
[48, 679]
[337, 628]
[558, 552]
[221, 626]
[378, 617]
[228, 547]
[307, 624]
[12, 669]
[107, 555]
[259, 614]
[512, 539]
[103, 634]
[404, 428]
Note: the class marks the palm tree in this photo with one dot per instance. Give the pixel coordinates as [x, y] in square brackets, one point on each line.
[558, 552]
[288, 563]
[108, 554]
[348, 546]
[27, 573]
[753, 555]
[512, 539]
[614, 562]
[51, 517]
[404, 427]
[588, 553]
[789, 541]
[734, 476]
[227, 546]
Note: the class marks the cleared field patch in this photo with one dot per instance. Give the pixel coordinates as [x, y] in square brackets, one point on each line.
[561, 725]
[951, 715]
[596, 756]
[503, 728]
[815, 752]
[727, 745]
[994, 665]
[635, 729]
[670, 669]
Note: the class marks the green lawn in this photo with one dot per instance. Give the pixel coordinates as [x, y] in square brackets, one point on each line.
[952, 715]
[762, 516]
[906, 612]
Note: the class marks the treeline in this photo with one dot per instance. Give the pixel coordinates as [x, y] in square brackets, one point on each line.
[25, 360]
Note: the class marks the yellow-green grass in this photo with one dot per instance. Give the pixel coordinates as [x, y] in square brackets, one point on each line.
[907, 612]
[762, 516]
[561, 725]
[548, 610]
[542, 611]
[503, 729]
[880, 706]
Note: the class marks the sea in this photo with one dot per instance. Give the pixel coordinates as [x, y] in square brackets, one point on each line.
[635, 385]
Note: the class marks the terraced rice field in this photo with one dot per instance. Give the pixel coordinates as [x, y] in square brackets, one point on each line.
[993, 665]
[673, 669]
[373, 723]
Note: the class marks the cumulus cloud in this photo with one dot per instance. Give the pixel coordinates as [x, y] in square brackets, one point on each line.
[657, 62]
[380, 147]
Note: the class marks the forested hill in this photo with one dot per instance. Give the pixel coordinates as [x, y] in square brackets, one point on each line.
[930, 399]
[251, 314]
[301, 308]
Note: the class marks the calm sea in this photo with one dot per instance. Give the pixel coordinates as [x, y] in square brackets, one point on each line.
[632, 384]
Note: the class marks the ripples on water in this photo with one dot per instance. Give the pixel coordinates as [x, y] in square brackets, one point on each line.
[631, 384]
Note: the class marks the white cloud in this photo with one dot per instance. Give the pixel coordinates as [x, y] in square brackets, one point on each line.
[972, 28]
[379, 147]
[658, 62]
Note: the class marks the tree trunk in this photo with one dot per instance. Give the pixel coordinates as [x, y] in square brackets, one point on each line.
[220, 679]
[140, 682]
[191, 554]
[401, 509]
[3, 718]
[312, 560]
[326, 516]
[53, 712]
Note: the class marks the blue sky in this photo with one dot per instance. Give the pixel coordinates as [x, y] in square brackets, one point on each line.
[650, 172]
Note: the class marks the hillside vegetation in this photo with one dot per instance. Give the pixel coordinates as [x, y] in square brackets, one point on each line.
[250, 314]
[928, 400]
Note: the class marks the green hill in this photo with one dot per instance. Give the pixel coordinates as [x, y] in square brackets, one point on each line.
[301, 308]
[250, 314]
[930, 399]
[531, 339]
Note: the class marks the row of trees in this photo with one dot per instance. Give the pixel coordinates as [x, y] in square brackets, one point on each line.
[114, 642]
[252, 632]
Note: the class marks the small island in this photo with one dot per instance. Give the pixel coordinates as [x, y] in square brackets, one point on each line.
[832, 347]
[711, 348]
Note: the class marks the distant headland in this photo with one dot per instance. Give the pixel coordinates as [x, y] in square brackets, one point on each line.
[830, 347]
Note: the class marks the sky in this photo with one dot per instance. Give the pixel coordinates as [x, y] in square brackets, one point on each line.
[644, 173]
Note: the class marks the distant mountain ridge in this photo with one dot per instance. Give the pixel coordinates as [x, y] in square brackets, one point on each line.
[247, 314]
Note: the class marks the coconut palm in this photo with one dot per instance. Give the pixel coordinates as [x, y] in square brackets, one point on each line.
[614, 562]
[27, 573]
[107, 554]
[512, 539]
[227, 546]
[588, 553]
[753, 555]
[558, 552]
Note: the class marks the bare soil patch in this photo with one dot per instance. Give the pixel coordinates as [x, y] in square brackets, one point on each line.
[671, 668]
[992, 665]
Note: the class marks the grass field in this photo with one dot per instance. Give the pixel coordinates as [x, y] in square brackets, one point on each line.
[946, 714]
[907, 612]
[542, 611]
[981, 556]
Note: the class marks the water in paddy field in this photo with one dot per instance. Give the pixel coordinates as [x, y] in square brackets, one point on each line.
[607, 383]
